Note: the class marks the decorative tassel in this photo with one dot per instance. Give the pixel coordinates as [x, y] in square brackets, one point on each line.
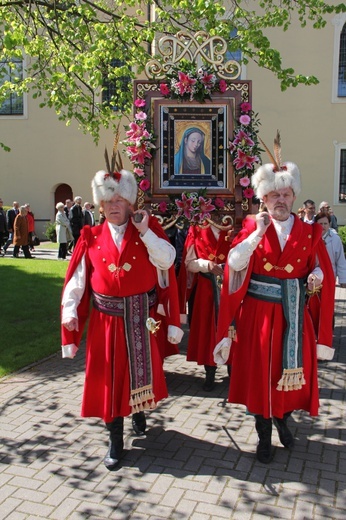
[142, 399]
[291, 379]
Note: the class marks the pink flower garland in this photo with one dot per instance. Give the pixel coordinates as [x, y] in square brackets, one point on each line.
[244, 148]
[139, 144]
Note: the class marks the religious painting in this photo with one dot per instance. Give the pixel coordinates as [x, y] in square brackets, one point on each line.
[192, 145]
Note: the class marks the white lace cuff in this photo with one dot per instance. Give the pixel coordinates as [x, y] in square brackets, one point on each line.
[69, 351]
[175, 334]
[222, 350]
[325, 353]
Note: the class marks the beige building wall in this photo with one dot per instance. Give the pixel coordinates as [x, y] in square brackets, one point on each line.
[45, 153]
[312, 126]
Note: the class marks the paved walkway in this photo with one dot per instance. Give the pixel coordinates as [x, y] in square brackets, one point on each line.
[42, 252]
[196, 463]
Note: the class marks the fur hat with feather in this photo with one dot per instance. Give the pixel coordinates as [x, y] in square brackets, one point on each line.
[116, 181]
[276, 175]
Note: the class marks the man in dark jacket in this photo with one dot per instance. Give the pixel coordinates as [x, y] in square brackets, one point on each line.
[3, 227]
[76, 219]
[10, 217]
[89, 219]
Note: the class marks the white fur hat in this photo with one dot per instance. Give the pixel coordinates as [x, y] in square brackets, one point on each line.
[267, 179]
[105, 186]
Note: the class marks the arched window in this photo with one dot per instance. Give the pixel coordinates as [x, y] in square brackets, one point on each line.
[339, 59]
[12, 71]
[342, 183]
[110, 88]
[340, 173]
[62, 192]
[342, 64]
[236, 54]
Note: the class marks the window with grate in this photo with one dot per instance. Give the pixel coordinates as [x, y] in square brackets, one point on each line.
[110, 87]
[342, 64]
[342, 178]
[13, 71]
[235, 55]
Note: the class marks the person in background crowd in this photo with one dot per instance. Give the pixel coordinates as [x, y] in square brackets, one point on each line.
[180, 238]
[67, 207]
[309, 211]
[31, 225]
[3, 227]
[200, 277]
[102, 216]
[334, 247]
[325, 208]
[63, 230]
[301, 213]
[76, 219]
[88, 215]
[10, 218]
[275, 350]
[21, 234]
[126, 267]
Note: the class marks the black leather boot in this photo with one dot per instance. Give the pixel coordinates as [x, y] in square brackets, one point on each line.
[264, 430]
[285, 436]
[116, 443]
[139, 423]
[209, 383]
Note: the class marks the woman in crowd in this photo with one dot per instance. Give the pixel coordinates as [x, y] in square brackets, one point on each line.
[63, 231]
[31, 225]
[21, 234]
[334, 247]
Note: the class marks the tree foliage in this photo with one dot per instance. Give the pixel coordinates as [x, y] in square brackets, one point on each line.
[70, 46]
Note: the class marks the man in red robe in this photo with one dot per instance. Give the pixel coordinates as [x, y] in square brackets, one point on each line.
[205, 252]
[125, 267]
[279, 291]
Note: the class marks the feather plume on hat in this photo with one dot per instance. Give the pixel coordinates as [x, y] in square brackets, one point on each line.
[116, 181]
[276, 175]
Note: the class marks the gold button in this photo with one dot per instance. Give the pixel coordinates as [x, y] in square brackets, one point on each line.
[98, 247]
[304, 248]
[298, 260]
[309, 236]
[134, 258]
[264, 259]
[103, 259]
[260, 246]
[95, 236]
[136, 243]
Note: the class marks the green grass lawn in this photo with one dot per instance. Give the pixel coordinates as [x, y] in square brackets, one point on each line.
[48, 245]
[30, 311]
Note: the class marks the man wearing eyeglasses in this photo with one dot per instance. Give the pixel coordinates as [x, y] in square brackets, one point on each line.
[325, 208]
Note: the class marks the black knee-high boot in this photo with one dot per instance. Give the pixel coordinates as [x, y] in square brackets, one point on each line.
[264, 430]
[285, 436]
[209, 383]
[116, 443]
[139, 423]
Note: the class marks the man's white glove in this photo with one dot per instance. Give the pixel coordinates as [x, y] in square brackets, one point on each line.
[222, 350]
[69, 351]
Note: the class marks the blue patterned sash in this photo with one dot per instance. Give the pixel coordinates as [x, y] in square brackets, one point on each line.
[291, 294]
